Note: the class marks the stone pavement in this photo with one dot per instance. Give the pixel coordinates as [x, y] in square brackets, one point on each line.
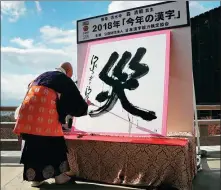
[11, 175]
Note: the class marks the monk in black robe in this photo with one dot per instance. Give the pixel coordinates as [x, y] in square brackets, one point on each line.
[51, 97]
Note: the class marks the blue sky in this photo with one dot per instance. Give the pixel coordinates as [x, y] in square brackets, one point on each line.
[56, 13]
[38, 35]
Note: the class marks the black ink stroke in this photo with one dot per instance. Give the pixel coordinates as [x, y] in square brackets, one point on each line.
[119, 81]
[94, 59]
[88, 90]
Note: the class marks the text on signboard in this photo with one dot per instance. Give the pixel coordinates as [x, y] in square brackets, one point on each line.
[159, 16]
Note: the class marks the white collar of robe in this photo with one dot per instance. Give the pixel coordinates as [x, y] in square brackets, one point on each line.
[61, 70]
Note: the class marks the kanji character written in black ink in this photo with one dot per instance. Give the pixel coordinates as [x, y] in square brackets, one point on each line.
[135, 12]
[128, 13]
[116, 23]
[93, 63]
[119, 81]
[159, 16]
[149, 18]
[139, 19]
[152, 26]
[169, 14]
[130, 21]
[88, 91]
[141, 11]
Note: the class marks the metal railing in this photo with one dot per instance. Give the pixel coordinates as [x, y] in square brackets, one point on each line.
[9, 141]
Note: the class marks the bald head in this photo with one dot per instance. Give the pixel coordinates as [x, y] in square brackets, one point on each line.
[68, 68]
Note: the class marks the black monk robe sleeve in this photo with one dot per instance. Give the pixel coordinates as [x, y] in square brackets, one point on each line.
[71, 100]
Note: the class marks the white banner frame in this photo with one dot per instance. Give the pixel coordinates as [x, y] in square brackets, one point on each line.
[85, 27]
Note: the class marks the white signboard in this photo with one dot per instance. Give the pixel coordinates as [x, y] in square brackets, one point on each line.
[127, 79]
[141, 19]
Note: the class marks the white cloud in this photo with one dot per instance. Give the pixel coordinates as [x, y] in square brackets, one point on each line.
[58, 36]
[38, 6]
[43, 54]
[14, 86]
[38, 58]
[34, 60]
[52, 47]
[27, 43]
[122, 5]
[13, 9]
[195, 7]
